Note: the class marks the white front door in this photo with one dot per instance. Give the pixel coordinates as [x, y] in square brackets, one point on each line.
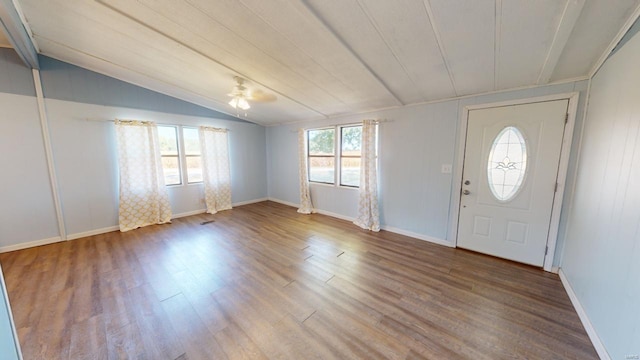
[509, 179]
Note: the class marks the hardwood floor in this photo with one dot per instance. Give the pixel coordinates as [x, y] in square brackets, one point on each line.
[263, 282]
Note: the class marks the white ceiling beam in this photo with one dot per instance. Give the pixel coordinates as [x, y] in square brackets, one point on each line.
[567, 22]
[341, 40]
[191, 48]
[443, 53]
[17, 34]
[374, 24]
[623, 30]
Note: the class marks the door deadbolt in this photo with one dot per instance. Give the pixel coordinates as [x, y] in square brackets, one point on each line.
[467, 182]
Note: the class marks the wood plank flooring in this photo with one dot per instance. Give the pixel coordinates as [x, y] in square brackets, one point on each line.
[263, 282]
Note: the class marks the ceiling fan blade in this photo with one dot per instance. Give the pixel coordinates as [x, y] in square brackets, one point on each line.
[261, 96]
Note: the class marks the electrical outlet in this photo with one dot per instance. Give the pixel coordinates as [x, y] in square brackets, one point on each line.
[446, 168]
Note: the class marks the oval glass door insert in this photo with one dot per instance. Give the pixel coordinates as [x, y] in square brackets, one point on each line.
[507, 166]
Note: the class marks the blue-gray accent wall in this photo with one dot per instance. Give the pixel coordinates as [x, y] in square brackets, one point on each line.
[15, 76]
[63, 81]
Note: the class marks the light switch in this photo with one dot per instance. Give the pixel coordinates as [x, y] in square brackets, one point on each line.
[446, 168]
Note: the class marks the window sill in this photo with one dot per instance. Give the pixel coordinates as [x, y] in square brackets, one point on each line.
[311, 183]
[333, 186]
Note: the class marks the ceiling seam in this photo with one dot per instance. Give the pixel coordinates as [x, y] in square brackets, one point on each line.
[339, 79]
[350, 49]
[565, 26]
[25, 24]
[375, 26]
[266, 53]
[496, 44]
[623, 30]
[427, 8]
[555, 37]
[139, 73]
[204, 55]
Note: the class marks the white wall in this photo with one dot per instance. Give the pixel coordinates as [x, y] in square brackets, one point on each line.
[84, 152]
[85, 160]
[27, 211]
[602, 248]
[415, 197]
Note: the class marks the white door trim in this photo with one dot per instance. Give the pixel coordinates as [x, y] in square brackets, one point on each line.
[562, 167]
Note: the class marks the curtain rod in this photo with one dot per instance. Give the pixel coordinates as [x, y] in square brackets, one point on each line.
[157, 123]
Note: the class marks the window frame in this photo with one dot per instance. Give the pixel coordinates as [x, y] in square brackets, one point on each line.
[177, 156]
[309, 156]
[339, 164]
[185, 156]
[182, 156]
[337, 155]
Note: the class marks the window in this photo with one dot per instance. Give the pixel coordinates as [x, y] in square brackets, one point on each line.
[507, 163]
[322, 155]
[168, 136]
[192, 154]
[350, 152]
[324, 149]
[180, 157]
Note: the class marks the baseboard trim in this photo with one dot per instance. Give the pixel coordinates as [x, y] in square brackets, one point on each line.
[104, 230]
[335, 215]
[582, 314]
[384, 227]
[188, 213]
[554, 269]
[202, 211]
[30, 244]
[241, 203]
[283, 202]
[93, 232]
[417, 236]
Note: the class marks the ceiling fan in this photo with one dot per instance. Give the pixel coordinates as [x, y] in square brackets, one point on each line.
[240, 95]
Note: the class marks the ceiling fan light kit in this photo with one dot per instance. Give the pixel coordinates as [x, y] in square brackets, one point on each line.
[239, 102]
[239, 95]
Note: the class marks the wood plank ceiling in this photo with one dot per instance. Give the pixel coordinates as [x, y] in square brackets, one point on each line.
[324, 58]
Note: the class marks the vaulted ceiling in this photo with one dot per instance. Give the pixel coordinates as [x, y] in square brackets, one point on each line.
[324, 58]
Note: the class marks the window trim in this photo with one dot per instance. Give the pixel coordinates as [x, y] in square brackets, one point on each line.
[337, 155]
[309, 156]
[185, 156]
[182, 156]
[178, 148]
[339, 164]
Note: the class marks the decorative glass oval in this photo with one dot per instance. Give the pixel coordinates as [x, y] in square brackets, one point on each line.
[507, 165]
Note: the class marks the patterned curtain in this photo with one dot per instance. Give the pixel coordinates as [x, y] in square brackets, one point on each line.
[214, 144]
[306, 207]
[368, 215]
[143, 196]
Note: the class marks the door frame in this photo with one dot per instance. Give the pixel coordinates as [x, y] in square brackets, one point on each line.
[563, 166]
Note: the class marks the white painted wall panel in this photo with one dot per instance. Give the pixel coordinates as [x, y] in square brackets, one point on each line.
[27, 212]
[602, 245]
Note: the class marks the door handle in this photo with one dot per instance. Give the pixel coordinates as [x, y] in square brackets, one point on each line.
[466, 192]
